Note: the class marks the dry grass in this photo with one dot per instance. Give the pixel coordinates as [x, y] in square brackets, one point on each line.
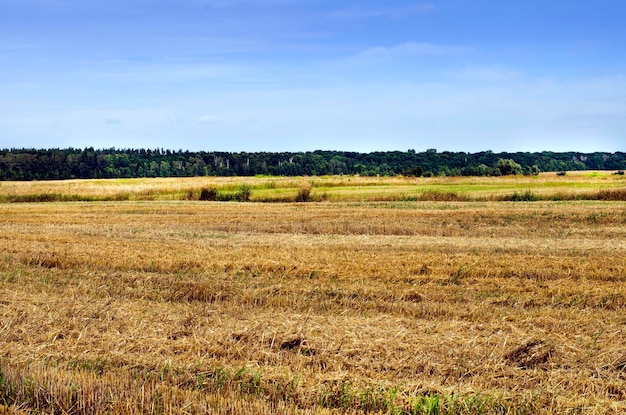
[388, 307]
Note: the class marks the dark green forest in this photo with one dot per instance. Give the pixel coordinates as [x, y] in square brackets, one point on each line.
[90, 163]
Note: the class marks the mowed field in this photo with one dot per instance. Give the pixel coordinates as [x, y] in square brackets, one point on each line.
[361, 302]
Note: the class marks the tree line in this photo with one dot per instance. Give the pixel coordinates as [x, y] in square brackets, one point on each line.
[90, 163]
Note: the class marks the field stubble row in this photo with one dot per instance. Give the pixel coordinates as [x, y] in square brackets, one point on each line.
[313, 307]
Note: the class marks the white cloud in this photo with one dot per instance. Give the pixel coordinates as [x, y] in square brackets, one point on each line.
[410, 49]
[208, 119]
[357, 13]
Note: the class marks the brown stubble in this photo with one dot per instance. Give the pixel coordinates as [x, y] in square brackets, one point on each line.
[523, 301]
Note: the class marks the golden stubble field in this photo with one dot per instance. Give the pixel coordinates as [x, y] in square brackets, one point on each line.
[342, 307]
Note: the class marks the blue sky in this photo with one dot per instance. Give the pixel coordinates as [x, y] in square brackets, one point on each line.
[288, 75]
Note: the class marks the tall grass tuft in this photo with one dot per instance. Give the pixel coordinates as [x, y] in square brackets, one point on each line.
[304, 194]
[526, 196]
[46, 198]
[244, 193]
[437, 196]
[612, 194]
[208, 194]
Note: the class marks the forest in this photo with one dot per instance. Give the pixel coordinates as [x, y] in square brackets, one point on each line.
[90, 163]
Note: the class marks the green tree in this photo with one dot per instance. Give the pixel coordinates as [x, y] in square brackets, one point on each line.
[508, 167]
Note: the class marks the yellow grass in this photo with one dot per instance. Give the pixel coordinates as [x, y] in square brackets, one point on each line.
[346, 307]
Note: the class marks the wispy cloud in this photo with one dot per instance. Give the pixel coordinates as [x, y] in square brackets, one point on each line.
[358, 13]
[9, 44]
[228, 3]
[5, 44]
[208, 119]
[408, 50]
[489, 74]
[168, 73]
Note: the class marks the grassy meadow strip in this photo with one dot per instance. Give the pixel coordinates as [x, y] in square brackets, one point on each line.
[547, 186]
[388, 307]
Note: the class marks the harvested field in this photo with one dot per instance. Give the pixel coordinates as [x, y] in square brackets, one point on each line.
[344, 307]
